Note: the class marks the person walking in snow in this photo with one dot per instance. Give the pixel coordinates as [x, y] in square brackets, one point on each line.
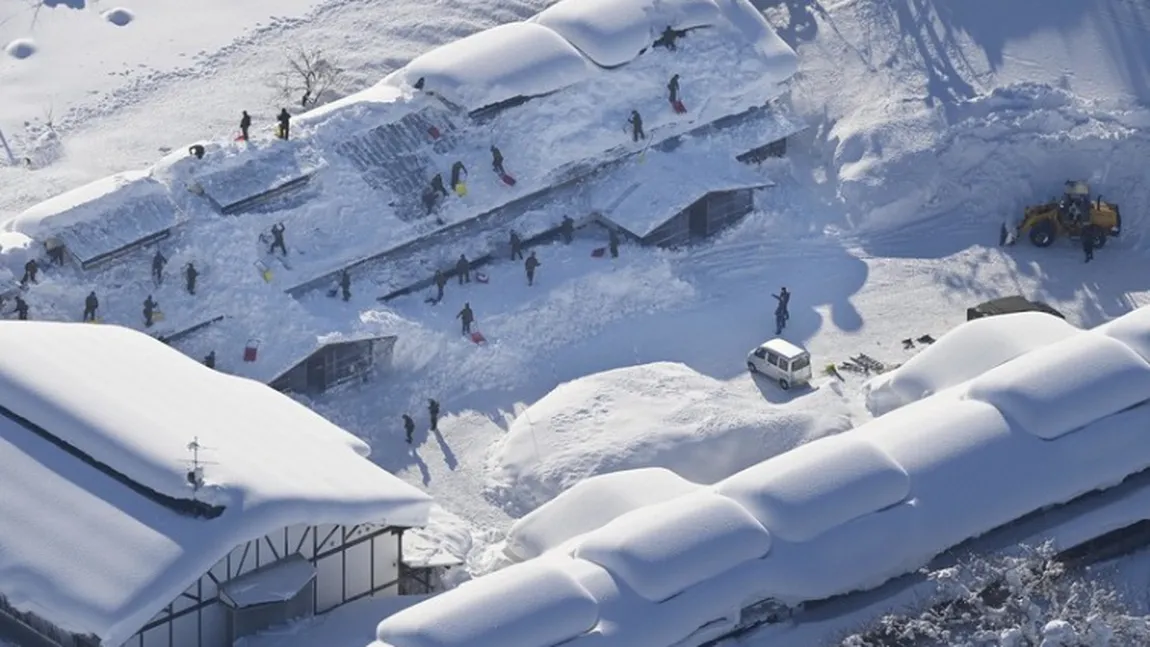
[668, 38]
[784, 299]
[149, 311]
[440, 283]
[345, 285]
[245, 124]
[284, 119]
[463, 269]
[158, 263]
[91, 303]
[673, 89]
[567, 229]
[636, 126]
[430, 197]
[1088, 238]
[31, 269]
[190, 275]
[278, 239]
[497, 161]
[516, 247]
[613, 243]
[433, 414]
[409, 427]
[437, 185]
[467, 317]
[530, 265]
[210, 360]
[458, 174]
[21, 309]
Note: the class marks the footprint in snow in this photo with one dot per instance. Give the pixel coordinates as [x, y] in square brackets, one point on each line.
[20, 48]
[119, 16]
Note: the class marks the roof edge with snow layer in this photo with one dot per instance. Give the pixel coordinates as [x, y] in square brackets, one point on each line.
[840, 514]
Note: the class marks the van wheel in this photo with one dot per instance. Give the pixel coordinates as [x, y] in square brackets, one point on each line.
[783, 384]
[751, 367]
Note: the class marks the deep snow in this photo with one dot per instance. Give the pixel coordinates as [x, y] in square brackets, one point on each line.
[933, 122]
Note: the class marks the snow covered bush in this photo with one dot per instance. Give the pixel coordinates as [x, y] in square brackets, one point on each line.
[1029, 600]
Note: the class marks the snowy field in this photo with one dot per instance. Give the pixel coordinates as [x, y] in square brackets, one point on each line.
[930, 124]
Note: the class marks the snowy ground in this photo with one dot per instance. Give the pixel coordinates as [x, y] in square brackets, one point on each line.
[932, 122]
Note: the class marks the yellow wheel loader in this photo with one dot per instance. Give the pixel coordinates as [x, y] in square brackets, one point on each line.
[1073, 215]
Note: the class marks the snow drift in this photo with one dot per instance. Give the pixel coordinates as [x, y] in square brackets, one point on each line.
[851, 511]
[653, 415]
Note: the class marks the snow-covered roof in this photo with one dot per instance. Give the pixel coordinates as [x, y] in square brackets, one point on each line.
[231, 177]
[95, 555]
[517, 59]
[613, 32]
[840, 514]
[103, 216]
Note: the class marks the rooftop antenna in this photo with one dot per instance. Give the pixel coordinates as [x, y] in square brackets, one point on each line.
[195, 474]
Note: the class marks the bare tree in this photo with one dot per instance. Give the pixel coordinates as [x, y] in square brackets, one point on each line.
[308, 77]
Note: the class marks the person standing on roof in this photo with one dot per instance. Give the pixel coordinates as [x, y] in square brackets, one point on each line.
[516, 247]
[668, 38]
[467, 317]
[190, 275]
[613, 243]
[149, 310]
[440, 283]
[158, 263]
[437, 185]
[636, 126]
[408, 428]
[91, 304]
[463, 269]
[31, 268]
[497, 160]
[197, 151]
[673, 89]
[345, 285]
[284, 119]
[530, 265]
[458, 174]
[567, 229]
[245, 125]
[433, 414]
[210, 360]
[278, 239]
[21, 309]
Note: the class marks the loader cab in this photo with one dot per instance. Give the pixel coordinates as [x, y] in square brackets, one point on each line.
[781, 361]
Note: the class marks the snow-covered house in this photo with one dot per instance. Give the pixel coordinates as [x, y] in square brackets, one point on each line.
[150, 501]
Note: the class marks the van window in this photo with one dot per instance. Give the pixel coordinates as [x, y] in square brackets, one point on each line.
[800, 363]
[760, 353]
[775, 360]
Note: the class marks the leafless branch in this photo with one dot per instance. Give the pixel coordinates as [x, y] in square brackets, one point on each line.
[308, 78]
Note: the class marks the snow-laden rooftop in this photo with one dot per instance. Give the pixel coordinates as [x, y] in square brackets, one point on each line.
[89, 553]
[836, 515]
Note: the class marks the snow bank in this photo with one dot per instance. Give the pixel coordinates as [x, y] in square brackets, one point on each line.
[518, 59]
[663, 549]
[850, 512]
[1132, 329]
[653, 415]
[782, 61]
[589, 505]
[965, 352]
[526, 605]
[1071, 384]
[819, 486]
[613, 32]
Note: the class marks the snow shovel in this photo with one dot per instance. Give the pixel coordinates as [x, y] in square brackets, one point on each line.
[678, 107]
[433, 131]
[478, 337]
[157, 315]
[251, 350]
[264, 271]
[507, 179]
[461, 189]
[480, 277]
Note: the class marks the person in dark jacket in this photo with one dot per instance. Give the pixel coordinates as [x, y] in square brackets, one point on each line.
[497, 160]
[197, 151]
[467, 317]
[345, 285]
[430, 197]
[784, 299]
[437, 185]
[210, 360]
[673, 89]
[245, 125]
[1089, 236]
[463, 269]
[284, 119]
[31, 269]
[440, 283]
[458, 174]
[21, 309]
[190, 275]
[636, 126]
[567, 229]
[516, 247]
[433, 414]
[613, 243]
[278, 239]
[409, 427]
[149, 310]
[158, 263]
[530, 265]
[91, 304]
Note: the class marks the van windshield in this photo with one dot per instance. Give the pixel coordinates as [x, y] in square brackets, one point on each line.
[800, 363]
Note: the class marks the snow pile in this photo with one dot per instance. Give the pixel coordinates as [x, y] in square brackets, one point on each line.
[652, 415]
[851, 511]
[512, 60]
[589, 505]
[963, 353]
[614, 32]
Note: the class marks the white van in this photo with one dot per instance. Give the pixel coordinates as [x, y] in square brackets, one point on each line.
[781, 361]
